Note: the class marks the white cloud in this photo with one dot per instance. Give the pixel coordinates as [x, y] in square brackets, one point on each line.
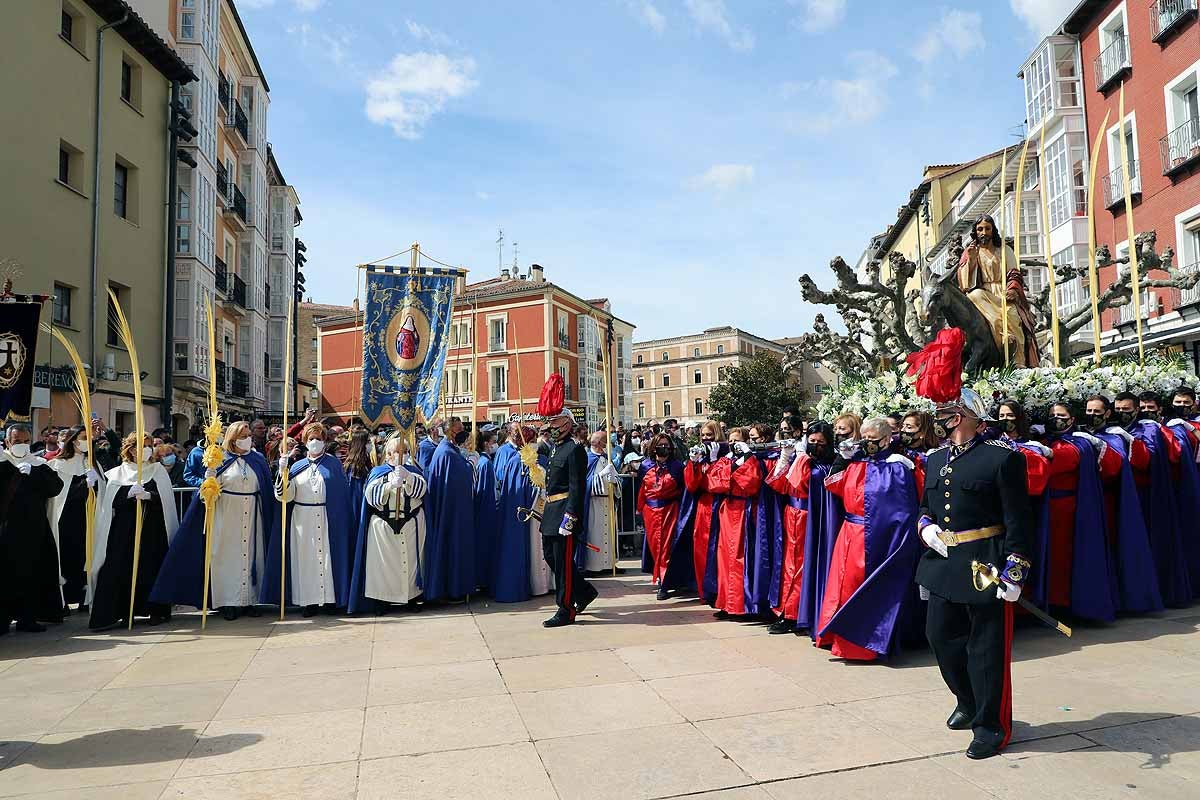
[712, 16]
[959, 32]
[415, 86]
[483, 196]
[427, 34]
[308, 5]
[648, 14]
[857, 98]
[820, 15]
[722, 177]
[1042, 16]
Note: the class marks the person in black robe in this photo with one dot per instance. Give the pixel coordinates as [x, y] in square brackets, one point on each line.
[70, 512]
[29, 573]
[112, 562]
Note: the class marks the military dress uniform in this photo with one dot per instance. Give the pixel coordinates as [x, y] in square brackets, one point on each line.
[566, 488]
[976, 493]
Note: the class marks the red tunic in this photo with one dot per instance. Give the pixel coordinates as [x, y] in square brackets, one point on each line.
[792, 484]
[695, 477]
[848, 562]
[658, 502]
[739, 483]
[1064, 482]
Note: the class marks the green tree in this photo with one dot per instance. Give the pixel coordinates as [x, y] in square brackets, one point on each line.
[757, 391]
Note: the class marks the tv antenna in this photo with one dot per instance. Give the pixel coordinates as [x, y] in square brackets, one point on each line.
[515, 268]
[500, 254]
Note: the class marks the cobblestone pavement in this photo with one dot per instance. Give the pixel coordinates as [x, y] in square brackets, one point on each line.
[642, 699]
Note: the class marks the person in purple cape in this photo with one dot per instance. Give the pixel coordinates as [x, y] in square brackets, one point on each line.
[975, 509]
[871, 568]
[1129, 541]
[764, 535]
[1185, 434]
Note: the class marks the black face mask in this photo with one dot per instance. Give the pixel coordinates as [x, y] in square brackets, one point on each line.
[1123, 418]
[662, 450]
[942, 428]
[871, 446]
[1096, 421]
[1182, 411]
[1057, 424]
[818, 452]
[1007, 425]
[841, 437]
[907, 437]
[461, 437]
[1150, 415]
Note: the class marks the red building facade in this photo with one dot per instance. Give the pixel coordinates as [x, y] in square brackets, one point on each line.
[1153, 49]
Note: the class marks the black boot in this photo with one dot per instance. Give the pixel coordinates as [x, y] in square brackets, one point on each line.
[560, 619]
[663, 593]
[30, 626]
[252, 611]
[985, 744]
[310, 611]
[589, 594]
[382, 607]
[960, 720]
[782, 625]
[721, 614]
[229, 613]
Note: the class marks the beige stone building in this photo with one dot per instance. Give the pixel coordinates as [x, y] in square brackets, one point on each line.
[672, 377]
[309, 315]
[85, 143]
[814, 377]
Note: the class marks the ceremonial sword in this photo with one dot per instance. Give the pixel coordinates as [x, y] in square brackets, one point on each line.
[526, 514]
[983, 578]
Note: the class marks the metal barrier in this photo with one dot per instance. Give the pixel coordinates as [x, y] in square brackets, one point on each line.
[183, 498]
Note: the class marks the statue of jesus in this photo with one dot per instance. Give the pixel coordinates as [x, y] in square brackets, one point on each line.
[981, 277]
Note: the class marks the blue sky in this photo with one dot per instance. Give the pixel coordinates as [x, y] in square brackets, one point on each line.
[688, 159]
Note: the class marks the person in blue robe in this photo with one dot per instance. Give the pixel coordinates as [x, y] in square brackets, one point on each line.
[511, 555]
[825, 513]
[487, 508]
[319, 540]
[181, 579]
[428, 444]
[1189, 496]
[449, 559]
[358, 465]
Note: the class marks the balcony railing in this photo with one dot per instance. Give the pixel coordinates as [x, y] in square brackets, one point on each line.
[1165, 15]
[564, 341]
[1191, 296]
[1112, 61]
[222, 181]
[236, 119]
[1114, 184]
[239, 203]
[240, 382]
[496, 346]
[238, 295]
[223, 91]
[498, 395]
[222, 377]
[1180, 148]
[222, 276]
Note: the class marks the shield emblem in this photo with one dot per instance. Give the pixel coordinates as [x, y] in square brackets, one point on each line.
[12, 359]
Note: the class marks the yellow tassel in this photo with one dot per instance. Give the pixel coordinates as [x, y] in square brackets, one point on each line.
[537, 473]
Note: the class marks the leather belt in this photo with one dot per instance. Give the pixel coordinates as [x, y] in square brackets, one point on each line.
[954, 538]
[554, 498]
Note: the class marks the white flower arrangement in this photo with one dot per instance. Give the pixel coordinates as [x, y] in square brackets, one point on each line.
[1035, 388]
[890, 392]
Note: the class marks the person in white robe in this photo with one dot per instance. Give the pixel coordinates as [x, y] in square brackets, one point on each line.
[394, 530]
[604, 487]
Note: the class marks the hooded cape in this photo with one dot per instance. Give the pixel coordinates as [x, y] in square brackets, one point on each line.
[1189, 501]
[487, 519]
[510, 559]
[1137, 580]
[1093, 575]
[825, 515]
[448, 563]
[1164, 522]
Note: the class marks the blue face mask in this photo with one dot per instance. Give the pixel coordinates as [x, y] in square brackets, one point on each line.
[168, 461]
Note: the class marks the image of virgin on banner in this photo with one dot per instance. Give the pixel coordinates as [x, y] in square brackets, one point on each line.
[405, 338]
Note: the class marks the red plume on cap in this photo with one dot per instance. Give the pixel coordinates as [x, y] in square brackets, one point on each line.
[550, 404]
[938, 366]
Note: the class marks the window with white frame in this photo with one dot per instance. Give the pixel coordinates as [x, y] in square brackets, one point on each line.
[699, 406]
[697, 376]
[641, 382]
[1073, 294]
[1182, 141]
[187, 19]
[1126, 135]
[497, 334]
[641, 410]
[1066, 75]
[666, 408]
[275, 350]
[1114, 46]
[498, 378]
[1031, 227]
[564, 341]
[1066, 178]
[1038, 88]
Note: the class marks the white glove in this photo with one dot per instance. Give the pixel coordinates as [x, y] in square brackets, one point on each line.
[739, 448]
[788, 451]
[929, 535]
[1176, 421]
[283, 464]
[24, 467]
[1007, 592]
[1117, 430]
[397, 478]
[92, 478]
[847, 448]
[696, 454]
[210, 473]
[714, 450]
[138, 492]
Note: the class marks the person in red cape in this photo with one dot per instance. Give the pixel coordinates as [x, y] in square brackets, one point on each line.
[662, 483]
[1013, 424]
[736, 478]
[701, 459]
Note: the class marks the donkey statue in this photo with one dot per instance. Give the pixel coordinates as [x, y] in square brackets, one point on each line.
[942, 300]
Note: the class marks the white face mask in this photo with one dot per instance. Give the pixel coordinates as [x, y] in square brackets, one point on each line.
[244, 444]
[147, 454]
[81, 445]
[19, 450]
[315, 447]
